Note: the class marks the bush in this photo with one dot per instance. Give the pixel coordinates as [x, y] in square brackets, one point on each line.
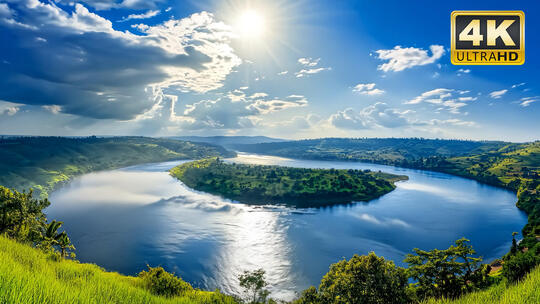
[517, 266]
[309, 296]
[160, 282]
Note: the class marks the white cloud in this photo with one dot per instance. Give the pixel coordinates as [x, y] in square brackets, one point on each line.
[497, 94]
[444, 98]
[110, 4]
[463, 71]
[305, 72]
[309, 62]
[54, 109]
[310, 67]
[527, 101]
[400, 58]
[147, 15]
[9, 111]
[234, 111]
[283, 73]
[5, 11]
[518, 85]
[452, 121]
[367, 89]
[375, 115]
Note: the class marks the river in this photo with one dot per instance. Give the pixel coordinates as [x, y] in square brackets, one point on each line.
[125, 219]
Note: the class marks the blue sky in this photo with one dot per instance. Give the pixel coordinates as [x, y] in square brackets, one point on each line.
[291, 69]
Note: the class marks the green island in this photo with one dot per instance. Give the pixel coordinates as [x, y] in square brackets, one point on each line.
[299, 187]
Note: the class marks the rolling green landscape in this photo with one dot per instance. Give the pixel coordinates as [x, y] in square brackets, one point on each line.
[254, 184]
[41, 163]
[40, 266]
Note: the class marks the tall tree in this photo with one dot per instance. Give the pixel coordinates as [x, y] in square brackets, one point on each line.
[254, 283]
[444, 273]
[363, 279]
[21, 216]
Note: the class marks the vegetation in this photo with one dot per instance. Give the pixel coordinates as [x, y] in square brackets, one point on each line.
[524, 292]
[380, 150]
[162, 283]
[254, 283]
[42, 163]
[28, 275]
[447, 273]
[300, 187]
[518, 264]
[510, 165]
[362, 279]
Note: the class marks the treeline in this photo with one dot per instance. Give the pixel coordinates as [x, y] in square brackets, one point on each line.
[371, 149]
[300, 187]
[42, 163]
[445, 274]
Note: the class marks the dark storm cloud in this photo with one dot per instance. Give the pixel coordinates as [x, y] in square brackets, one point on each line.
[78, 62]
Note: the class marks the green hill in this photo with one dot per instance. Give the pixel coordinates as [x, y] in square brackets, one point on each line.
[28, 275]
[44, 162]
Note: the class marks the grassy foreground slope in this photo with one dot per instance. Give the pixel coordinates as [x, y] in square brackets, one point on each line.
[43, 162]
[526, 291]
[300, 187]
[28, 275]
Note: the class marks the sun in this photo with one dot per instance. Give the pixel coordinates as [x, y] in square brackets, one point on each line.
[251, 24]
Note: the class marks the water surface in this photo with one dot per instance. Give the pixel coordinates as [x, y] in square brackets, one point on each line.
[125, 219]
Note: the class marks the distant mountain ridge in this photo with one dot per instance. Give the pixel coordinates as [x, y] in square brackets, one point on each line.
[229, 141]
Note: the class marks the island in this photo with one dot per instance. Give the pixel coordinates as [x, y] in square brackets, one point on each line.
[297, 187]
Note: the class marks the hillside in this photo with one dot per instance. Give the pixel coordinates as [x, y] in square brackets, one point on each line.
[381, 150]
[43, 162]
[28, 275]
[300, 187]
[526, 291]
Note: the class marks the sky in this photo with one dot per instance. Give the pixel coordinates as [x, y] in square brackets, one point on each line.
[287, 69]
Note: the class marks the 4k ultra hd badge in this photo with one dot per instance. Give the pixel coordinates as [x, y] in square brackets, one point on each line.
[488, 37]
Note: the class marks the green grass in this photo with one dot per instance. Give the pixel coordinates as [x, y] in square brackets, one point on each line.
[526, 291]
[28, 275]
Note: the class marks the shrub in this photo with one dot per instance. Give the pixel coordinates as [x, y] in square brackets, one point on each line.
[517, 266]
[160, 282]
